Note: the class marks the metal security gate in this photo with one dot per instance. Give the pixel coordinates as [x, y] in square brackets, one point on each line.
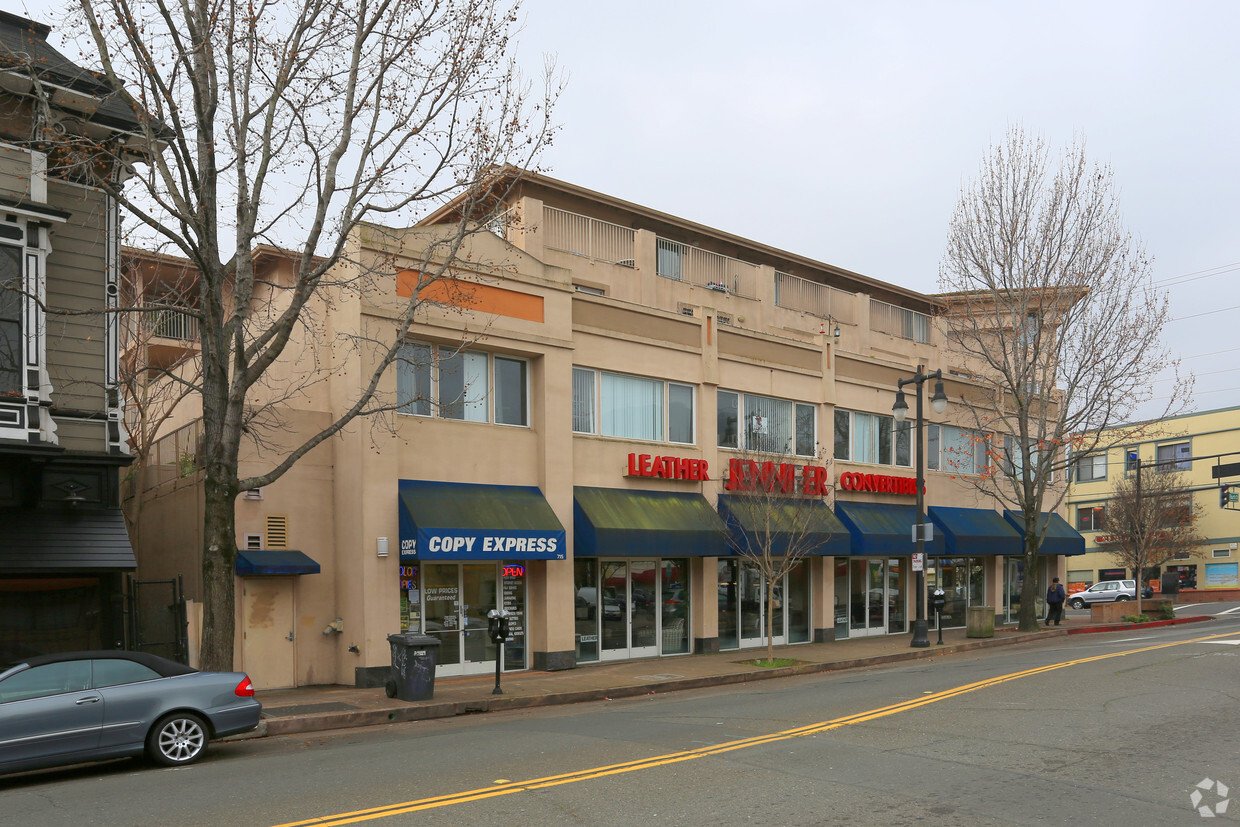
[156, 619]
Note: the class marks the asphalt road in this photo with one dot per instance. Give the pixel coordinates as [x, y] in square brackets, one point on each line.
[1099, 729]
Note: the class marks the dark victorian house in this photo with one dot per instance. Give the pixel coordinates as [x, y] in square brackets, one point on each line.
[63, 544]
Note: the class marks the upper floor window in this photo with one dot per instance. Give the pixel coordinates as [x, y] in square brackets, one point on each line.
[1174, 457]
[1176, 510]
[957, 450]
[1090, 518]
[12, 300]
[632, 407]
[872, 438]
[436, 380]
[1091, 468]
[749, 422]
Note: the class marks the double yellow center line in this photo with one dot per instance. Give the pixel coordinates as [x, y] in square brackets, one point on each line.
[704, 752]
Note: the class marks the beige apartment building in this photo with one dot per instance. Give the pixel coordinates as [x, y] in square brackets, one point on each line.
[1194, 446]
[574, 420]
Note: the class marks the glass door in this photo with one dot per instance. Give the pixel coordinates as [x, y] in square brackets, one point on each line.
[479, 593]
[753, 599]
[644, 611]
[457, 599]
[867, 597]
[630, 608]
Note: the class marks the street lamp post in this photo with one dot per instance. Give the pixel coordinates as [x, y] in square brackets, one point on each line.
[900, 410]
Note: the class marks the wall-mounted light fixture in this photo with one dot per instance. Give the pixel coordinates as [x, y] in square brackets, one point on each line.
[382, 546]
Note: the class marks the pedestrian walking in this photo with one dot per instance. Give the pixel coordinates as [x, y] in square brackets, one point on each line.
[1055, 597]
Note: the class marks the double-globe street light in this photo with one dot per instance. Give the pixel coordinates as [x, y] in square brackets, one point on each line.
[900, 410]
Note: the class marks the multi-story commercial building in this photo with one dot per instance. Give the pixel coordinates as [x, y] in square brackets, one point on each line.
[63, 543]
[1192, 446]
[574, 417]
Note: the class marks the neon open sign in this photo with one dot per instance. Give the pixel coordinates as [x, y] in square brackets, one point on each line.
[514, 571]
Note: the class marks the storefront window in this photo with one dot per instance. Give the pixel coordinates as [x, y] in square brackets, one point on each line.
[729, 605]
[675, 596]
[513, 580]
[841, 598]
[798, 603]
[585, 585]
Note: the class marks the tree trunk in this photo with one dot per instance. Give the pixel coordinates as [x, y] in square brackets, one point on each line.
[770, 621]
[219, 556]
[1028, 618]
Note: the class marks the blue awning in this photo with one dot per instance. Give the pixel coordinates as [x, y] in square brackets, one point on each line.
[463, 521]
[623, 522]
[807, 526]
[252, 563]
[1059, 537]
[881, 529]
[975, 531]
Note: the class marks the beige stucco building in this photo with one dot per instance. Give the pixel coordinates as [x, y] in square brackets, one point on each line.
[574, 412]
[1192, 445]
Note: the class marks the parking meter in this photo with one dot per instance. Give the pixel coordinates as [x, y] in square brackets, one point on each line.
[497, 628]
[497, 625]
[937, 601]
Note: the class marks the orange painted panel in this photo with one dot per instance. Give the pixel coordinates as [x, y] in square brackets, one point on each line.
[472, 296]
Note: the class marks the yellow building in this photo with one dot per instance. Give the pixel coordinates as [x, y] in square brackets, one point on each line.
[1193, 445]
[570, 428]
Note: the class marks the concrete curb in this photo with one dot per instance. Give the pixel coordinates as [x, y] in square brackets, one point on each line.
[427, 710]
[421, 711]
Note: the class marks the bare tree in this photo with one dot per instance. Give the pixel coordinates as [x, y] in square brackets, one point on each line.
[1150, 519]
[776, 518]
[1054, 322]
[291, 125]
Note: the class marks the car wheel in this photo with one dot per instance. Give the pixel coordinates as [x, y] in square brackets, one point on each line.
[389, 688]
[1077, 604]
[1123, 598]
[177, 739]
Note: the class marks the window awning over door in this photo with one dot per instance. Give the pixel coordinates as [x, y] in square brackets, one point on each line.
[617, 522]
[975, 531]
[804, 526]
[1060, 538]
[253, 562]
[880, 529]
[463, 521]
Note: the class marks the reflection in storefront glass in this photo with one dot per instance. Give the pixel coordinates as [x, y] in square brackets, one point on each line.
[798, 603]
[585, 608]
[729, 607]
[674, 593]
[441, 593]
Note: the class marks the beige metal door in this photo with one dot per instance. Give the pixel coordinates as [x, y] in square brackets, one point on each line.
[269, 642]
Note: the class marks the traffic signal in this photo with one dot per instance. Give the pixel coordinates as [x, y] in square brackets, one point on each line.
[1224, 496]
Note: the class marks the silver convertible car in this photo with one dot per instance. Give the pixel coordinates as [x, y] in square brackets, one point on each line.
[86, 706]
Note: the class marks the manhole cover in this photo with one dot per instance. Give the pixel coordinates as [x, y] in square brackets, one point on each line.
[306, 709]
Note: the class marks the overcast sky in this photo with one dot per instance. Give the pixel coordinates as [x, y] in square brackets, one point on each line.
[844, 131]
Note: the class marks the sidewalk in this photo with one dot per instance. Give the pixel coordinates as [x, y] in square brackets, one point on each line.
[315, 708]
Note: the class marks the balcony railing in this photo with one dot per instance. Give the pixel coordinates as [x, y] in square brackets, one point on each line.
[171, 324]
[796, 293]
[899, 321]
[581, 235]
[682, 262]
